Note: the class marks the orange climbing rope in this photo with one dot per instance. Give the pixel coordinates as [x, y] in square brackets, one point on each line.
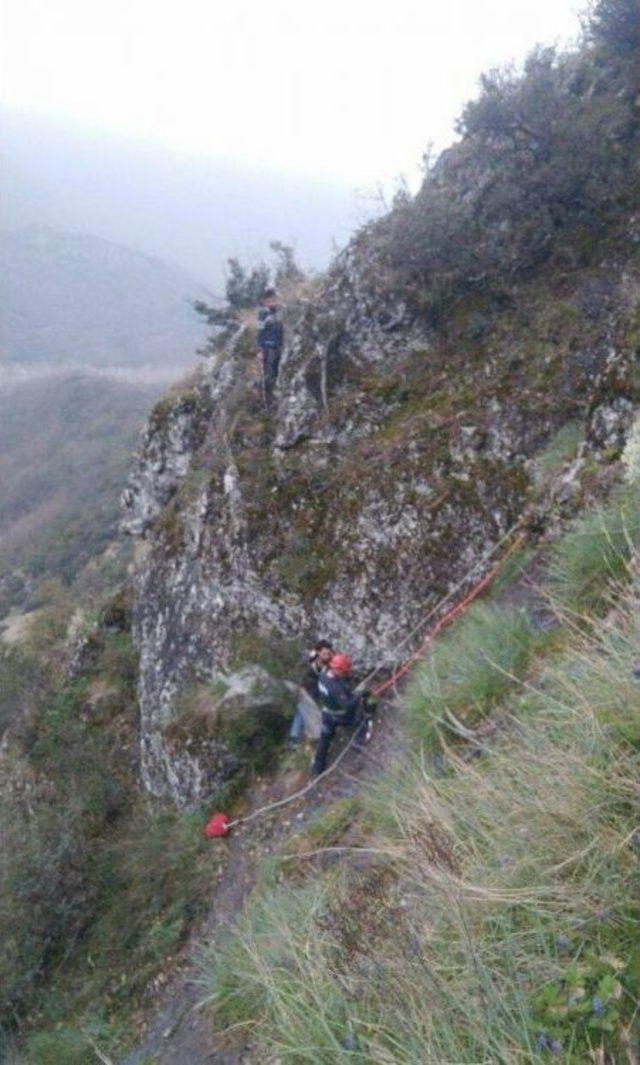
[220, 825]
[451, 615]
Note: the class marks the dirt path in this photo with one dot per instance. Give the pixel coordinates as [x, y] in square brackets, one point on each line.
[178, 1032]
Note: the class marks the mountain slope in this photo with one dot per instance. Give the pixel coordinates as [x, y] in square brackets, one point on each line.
[466, 376]
[65, 444]
[75, 298]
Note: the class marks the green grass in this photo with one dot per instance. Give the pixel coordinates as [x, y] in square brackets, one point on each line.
[97, 891]
[458, 680]
[595, 553]
[559, 450]
[65, 1047]
[497, 916]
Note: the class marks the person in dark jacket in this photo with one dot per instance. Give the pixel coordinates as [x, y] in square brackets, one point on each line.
[270, 340]
[342, 706]
[317, 661]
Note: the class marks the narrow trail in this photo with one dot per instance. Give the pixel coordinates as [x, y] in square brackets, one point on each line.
[178, 1032]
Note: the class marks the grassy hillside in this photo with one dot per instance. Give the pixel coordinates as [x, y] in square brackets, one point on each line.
[478, 899]
[485, 906]
[65, 447]
[98, 889]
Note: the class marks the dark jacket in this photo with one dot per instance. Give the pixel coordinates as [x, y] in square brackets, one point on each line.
[311, 677]
[270, 330]
[337, 695]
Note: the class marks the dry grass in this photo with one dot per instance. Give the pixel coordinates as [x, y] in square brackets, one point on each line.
[503, 926]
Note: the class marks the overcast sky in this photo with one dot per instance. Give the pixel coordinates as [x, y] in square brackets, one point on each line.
[348, 88]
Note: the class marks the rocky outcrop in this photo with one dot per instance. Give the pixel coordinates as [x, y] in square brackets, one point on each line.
[392, 462]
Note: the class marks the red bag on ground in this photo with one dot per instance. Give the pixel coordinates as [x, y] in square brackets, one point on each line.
[217, 826]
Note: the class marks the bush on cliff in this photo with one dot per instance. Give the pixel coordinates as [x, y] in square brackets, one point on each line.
[95, 889]
[545, 170]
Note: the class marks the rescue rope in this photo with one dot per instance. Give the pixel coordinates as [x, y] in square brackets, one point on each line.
[221, 826]
[297, 794]
[450, 594]
[450, 616]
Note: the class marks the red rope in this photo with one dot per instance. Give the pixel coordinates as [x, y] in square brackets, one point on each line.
[446, 619]
[219, 824]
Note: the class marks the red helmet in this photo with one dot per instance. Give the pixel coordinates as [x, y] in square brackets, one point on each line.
[341, 664]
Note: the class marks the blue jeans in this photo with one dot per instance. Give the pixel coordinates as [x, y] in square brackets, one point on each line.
[296, 728]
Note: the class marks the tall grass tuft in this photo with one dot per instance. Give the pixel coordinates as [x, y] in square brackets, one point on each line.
[496, 915]
[458, 682]
[559, 450]
[595, 554]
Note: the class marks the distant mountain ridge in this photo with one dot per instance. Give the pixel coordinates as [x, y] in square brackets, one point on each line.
[77, 298]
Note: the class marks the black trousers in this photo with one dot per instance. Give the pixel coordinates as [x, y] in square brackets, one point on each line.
[356, 721]
[270, 367]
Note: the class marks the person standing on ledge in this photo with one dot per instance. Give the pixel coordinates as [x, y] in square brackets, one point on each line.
[270, 340]
[343, 706]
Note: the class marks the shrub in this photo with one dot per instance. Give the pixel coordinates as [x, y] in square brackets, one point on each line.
[69, 785]
[23, 683]
[152, 882]
[616, 24]
[59, 1048]
[245, 288]
[544, 170]
[45, 893]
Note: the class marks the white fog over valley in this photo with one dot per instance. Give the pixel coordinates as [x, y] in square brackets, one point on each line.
[201, 133]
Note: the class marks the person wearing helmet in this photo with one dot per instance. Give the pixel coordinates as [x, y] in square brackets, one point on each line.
[341, 707]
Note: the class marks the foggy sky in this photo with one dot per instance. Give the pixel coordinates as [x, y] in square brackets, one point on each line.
[205, 129]
[344, 88]
[194, 211]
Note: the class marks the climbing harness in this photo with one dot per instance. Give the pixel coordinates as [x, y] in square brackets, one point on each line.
[219, 825]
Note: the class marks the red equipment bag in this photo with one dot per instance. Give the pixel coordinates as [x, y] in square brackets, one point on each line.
[217, 826]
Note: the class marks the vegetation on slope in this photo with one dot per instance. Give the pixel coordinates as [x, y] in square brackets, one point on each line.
[98, 888]
[492, 912]
[545, 174]
[65, 447]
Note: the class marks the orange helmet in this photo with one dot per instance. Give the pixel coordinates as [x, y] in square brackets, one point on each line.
[341, 664]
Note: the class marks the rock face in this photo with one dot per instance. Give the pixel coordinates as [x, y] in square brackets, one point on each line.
[390, 465]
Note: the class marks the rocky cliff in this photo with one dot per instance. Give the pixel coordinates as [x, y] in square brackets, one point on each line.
[395, 457]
